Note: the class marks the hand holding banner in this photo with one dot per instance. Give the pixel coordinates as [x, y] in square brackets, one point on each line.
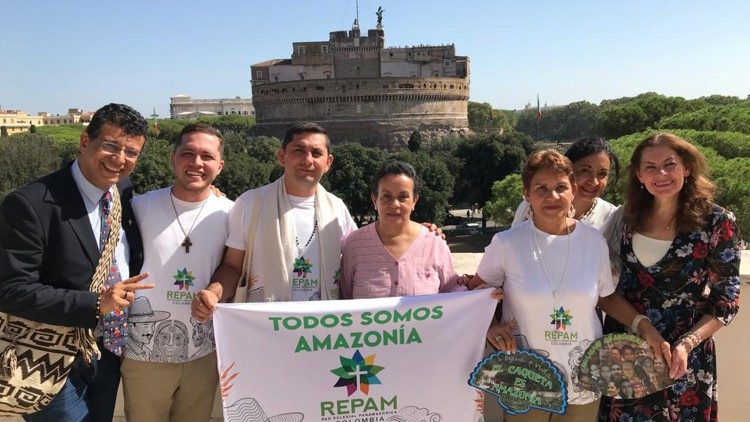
[389, 359]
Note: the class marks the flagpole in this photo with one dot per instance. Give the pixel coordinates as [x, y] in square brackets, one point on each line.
[538, 118]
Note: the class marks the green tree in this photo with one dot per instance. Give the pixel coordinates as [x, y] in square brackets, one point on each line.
[351, 174]
[437, 185]
[506, 195]
[154, 168]
[263, 148]
[628, 115]
[62, 134]
[563, 123]
[248, 162]
[32, 129]
[618, 120]
[415, 141]
[444, 149]
[25, 158]
[482, 117]
[3, 132]
[169, 129]
[487, 159]
[230, 122]
[733, 117]
[720, 99]
[242, 172]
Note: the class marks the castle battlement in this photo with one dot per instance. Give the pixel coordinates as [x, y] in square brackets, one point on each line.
[362, 91]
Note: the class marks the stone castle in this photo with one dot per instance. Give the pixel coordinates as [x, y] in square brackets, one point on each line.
[359, 90]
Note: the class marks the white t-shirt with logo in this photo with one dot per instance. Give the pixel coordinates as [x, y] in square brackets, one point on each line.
[305, 281]
[304, 275]
[161, 329]
[560, 327]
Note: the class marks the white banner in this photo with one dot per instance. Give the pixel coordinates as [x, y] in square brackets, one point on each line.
[391, 359]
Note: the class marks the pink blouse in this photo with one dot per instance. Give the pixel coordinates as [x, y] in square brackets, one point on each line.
[368, 270]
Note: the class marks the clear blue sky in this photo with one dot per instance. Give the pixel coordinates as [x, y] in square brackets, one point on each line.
[56, 55]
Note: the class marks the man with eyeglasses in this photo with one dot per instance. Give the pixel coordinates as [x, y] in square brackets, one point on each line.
[52, 234]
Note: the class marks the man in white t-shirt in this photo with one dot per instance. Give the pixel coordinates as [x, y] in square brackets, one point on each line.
[296, 226]
[169, 366]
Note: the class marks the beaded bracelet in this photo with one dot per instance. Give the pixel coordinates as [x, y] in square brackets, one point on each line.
[637, 320]
[98, 307]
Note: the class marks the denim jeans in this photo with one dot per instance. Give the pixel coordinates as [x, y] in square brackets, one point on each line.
[89, 393]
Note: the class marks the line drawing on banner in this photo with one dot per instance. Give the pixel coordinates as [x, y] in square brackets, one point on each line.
[248, 410]
[226, 381]
[415, 414]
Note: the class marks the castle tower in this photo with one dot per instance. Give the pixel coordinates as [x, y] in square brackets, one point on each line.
[362, 91]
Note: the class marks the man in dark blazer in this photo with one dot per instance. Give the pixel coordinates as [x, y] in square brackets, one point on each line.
[49, 249]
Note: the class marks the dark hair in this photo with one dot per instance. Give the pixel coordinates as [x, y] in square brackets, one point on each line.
[200, 128]
[546, 159]
[124, 117]
[395, 168]
[305, 127]
[587, 146]
[695, 198]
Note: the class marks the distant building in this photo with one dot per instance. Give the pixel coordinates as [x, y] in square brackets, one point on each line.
[184, 107]
[74, 116]
[362, 91]
[17, 121]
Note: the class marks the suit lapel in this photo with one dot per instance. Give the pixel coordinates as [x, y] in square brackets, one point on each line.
[130, 225]
[74, 212]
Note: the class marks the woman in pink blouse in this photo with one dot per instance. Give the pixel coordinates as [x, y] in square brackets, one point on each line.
[395, 256]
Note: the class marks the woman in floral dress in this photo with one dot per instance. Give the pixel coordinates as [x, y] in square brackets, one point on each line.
[680, 267]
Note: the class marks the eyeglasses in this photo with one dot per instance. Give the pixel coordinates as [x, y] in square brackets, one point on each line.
[114, 148]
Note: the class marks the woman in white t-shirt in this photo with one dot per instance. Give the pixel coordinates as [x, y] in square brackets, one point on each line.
[554, 269]
[593, 164]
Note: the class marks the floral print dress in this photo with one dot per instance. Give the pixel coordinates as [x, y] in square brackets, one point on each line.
[699, 275]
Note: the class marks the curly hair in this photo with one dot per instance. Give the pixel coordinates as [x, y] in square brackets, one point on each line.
[546, 159]
[695, 198]
[120, 115]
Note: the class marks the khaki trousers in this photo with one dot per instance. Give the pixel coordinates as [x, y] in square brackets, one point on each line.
[575, 413]
[177, 392]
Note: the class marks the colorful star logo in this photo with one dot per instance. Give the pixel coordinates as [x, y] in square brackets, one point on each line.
[357, 372]
[302, 266]
[561, 318]
[184, 279]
